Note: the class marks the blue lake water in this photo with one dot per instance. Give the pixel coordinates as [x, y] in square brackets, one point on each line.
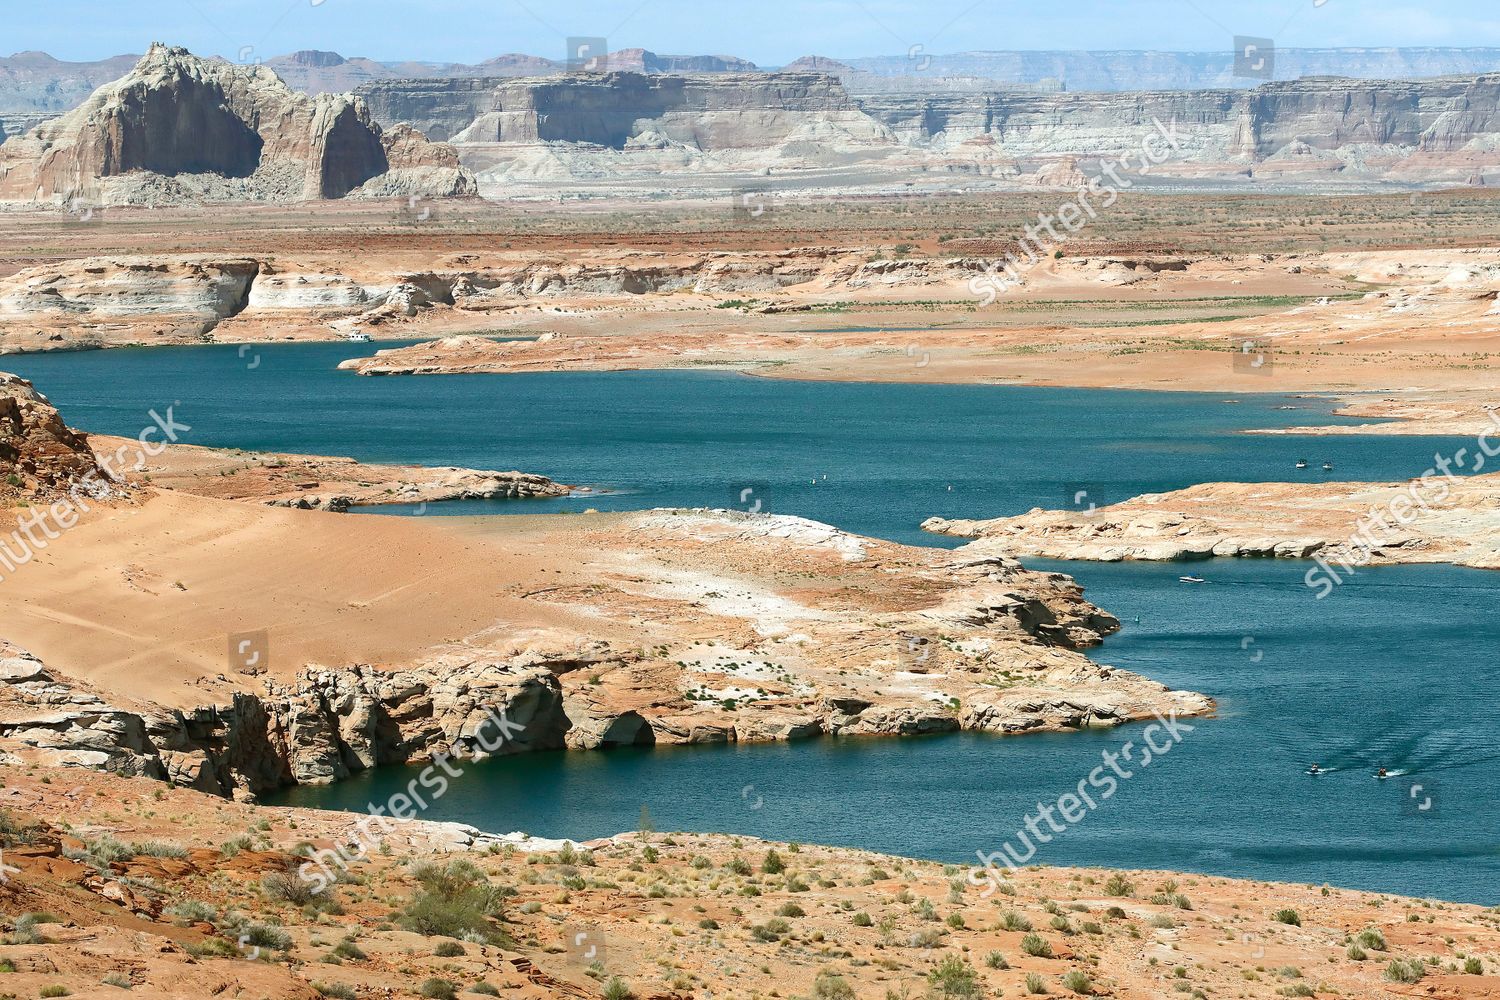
[893, 455]
[1396, 668]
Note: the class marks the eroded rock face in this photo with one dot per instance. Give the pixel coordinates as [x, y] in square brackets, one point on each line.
[578, 125]
[37, 449]
[179, 125]
[322, 727]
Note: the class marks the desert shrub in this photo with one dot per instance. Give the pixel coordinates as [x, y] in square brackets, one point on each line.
[455, 900]
[339, 991]
[831, 986]
[1287, 917]
[1036, 946]
[1473, 967]
[773, 865]
[1405, 970]
[1078, 981]
[117, 980]
[26, 931]
[192, 911]
[448, 949]
[616, 989]
[790, 910]
[439, 989]
[1035, 984]
[862, 919]
[264, 936]
[995, 960]
[159, 849]
[214, 947]
[484, 989]
[1012, 921]
[1161, 922]
[55, 990]
[348, 949]
[1355, 952]
[739, 866]
[235, 845]
[1119, 885]
[953, 977]
[287, 887]
[1371, 938]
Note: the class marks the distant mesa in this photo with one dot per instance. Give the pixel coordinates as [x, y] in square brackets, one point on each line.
[818, 64]
[179, 127]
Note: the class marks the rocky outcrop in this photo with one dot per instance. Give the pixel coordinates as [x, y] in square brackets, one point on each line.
[323, 726]
[179, 126]
[195, 290]
[1431, 519]
[38, 452]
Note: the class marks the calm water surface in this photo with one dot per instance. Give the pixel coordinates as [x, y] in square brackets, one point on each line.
[1397, 668]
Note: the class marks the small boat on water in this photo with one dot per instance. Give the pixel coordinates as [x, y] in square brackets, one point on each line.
[1191, 579]
[1301, 463]
[1327, 466]
[357, 337]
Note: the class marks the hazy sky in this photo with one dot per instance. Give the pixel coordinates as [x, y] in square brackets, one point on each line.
[770, 32]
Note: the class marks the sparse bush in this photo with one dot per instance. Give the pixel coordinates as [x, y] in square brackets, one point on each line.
[1119, 885]
[616, 989]
[1371, 938]
[484, 989]
[339, 991]
[1012, 921]
[1078, 981]
[995, 960]
[448, 949]
[55, 990]
[263, 936]
[192, 911]
[348, 949]
[739, 866]
[1036, 946]
[1035, 984]
[862, 919]
[1355, 952]
[1473, 967]
[773, 865]
[287, 887]
[790, 910]
[159, 849]
[456, 900]
[1407, 971]
[953, 977]
[1287, 917]
[830, 986]
[439, 989]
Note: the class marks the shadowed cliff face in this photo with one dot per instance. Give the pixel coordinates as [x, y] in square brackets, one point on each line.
[187, 128]
[351, 153]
